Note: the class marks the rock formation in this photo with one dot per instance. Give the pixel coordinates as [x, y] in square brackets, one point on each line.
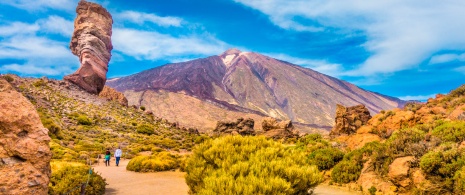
[399, 171]
[91, 42]
[240, 127]
[349, 119]
[113, 95]
[24, 151]
[278, 130]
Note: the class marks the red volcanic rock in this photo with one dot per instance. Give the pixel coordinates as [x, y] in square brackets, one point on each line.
[24, 151]
[278, 130]
[349, 119]
[113, 95]
[240, 127]
[91, 42]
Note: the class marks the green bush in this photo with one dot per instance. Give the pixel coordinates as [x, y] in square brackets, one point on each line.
[249, 165]
[67, 176]
[8, 78]
[325, 158]
[372, 190]
[162, 161]
[443, 163]
[142, 108]
[350, 167]
[39, 83]
[145, 129]
[83, 120]
[346, 171]
[453, 131]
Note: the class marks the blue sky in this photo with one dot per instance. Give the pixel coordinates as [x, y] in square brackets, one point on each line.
[411, 49]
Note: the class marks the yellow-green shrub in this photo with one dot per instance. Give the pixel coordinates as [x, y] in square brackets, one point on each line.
[453, 131]
[162, 161]
[145, 129]
[83, 120]
[67, 176]
[459, 181]
[249, 165]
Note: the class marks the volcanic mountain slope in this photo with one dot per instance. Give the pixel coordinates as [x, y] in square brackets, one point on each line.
[228, 85]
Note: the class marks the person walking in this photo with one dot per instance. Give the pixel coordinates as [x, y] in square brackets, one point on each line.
[107, 157]
[118, 154]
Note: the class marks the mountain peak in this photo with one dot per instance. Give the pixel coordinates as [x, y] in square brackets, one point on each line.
[232, 51]
[229, 55]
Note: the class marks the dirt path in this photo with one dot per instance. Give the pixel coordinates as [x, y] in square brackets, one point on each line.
[121, 181]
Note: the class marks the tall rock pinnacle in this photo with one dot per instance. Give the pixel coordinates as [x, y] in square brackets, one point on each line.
[91, 42]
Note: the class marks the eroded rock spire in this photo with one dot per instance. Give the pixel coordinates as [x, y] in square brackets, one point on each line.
[91, 42]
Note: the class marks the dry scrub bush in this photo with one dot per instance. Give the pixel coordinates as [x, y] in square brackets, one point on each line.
[162, 161]
[67, 176]
[249, 165]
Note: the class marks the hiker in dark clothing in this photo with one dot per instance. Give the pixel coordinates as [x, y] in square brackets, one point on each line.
[107, 157]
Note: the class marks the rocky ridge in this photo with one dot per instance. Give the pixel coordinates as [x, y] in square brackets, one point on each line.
[271, 128]
[91, 42]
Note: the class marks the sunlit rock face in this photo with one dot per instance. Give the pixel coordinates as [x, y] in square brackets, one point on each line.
[24, 151]
[91, 42]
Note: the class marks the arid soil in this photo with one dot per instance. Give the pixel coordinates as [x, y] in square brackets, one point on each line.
[121, 181]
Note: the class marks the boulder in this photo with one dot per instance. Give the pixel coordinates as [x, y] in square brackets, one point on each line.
[24, 151]
[91, 42]
[240, 127]
[349, 119]
[399, 171]
[369, 178]
[113, 95]
[278, 130]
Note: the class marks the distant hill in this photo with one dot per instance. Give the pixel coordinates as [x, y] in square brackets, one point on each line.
[236, 84]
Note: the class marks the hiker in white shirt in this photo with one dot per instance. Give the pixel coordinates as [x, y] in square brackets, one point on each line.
[118, 154]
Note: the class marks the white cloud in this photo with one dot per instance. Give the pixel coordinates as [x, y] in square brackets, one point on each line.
[148, 45]
[321, 66]
[401, 34]
[444, 58]
[140, 18]
[417, 97]
[38, 55]
[39, 5]
[58, 25]
[460, 69]
[16, 28]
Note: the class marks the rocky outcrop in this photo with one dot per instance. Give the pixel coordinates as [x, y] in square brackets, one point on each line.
[240, 127]
[278, 130]
[91, 42]
[113, 95]
[399, 171]
[349, 119]
[24, 151]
